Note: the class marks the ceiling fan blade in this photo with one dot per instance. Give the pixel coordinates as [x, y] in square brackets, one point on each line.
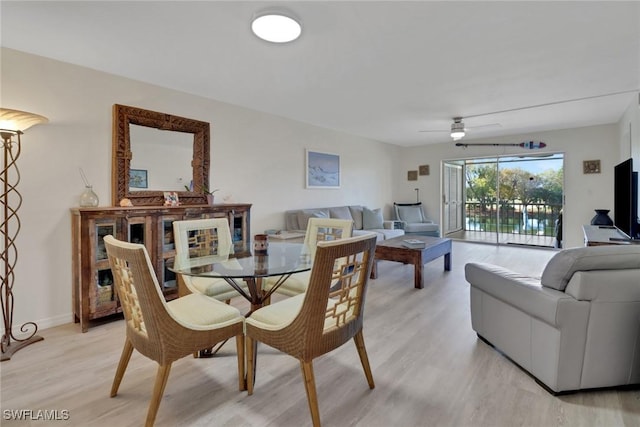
[484, 126]
[442, 130]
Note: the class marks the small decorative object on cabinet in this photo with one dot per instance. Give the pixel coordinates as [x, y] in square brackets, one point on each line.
[88, 198]
[92, 290]
[602, 218]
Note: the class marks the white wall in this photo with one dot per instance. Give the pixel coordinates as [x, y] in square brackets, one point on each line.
[255, 158]
[629, 132]
[583, 193]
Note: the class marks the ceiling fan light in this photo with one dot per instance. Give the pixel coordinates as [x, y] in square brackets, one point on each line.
[457, 130]
[276, 27]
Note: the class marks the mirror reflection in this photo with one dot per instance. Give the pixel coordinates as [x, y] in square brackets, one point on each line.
[160, 159]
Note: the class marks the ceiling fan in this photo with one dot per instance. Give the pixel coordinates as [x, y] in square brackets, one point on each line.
[458, 129]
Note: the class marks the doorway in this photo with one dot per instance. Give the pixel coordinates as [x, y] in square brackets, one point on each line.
[504, 199]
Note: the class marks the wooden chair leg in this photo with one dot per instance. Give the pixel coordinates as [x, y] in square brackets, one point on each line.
[364, 359]
[122, 366]
[240, 350]
[310, 387]
[158, 390]
[250, 356]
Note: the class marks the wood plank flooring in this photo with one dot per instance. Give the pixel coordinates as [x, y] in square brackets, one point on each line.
[429, 367]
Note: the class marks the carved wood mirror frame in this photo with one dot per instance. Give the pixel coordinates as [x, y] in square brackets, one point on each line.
[123, 116]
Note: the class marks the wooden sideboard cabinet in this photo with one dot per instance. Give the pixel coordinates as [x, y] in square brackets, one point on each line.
[93, 293]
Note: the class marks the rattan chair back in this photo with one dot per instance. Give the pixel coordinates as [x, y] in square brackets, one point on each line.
[199, 242]
[160, 330]
[331, 312]
[325, 229]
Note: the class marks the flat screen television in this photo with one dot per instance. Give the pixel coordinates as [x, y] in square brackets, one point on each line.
[626, 199]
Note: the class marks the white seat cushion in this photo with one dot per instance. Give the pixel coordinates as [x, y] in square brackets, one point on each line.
[200, 312]
[215, 288]
[278, 315]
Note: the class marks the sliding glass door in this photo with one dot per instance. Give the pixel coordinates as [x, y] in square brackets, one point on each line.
[453, 198]
[508, 199]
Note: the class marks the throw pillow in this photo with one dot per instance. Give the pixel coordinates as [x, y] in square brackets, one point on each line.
[356, 214]
[340, 212]
[372, 219]
[303, 217]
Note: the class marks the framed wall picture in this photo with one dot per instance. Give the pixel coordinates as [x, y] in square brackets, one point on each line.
[412, 175]
[423, 170]
[591, 166]
[138, 178]
[323, 170]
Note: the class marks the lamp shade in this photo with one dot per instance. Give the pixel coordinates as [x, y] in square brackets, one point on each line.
[15, 121]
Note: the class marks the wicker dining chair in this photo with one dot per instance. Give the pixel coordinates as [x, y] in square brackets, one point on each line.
[203, 238]
[318, 230]
[165, 331]
[326, 316]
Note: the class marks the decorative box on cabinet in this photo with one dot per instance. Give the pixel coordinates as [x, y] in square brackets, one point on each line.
[92, 289]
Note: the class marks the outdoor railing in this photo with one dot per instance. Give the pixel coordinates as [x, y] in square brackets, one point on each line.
[536, 219]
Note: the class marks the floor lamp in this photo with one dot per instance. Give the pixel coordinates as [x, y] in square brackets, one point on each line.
[12, 124]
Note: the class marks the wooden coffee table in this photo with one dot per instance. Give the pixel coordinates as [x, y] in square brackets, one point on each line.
[393, 250]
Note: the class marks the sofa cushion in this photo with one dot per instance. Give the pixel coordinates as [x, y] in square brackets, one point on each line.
[372, 219]
[304, 215]
[356, 214]
[622, 285]
[422, 227]
[390, 233]
[340, 212]
[409, 214]
[291, 220]
[515, 289]
[561, 267]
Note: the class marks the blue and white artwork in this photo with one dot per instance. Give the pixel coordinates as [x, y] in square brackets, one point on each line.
[323, 170]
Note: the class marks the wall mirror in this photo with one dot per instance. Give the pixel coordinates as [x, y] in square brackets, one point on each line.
[156, 152]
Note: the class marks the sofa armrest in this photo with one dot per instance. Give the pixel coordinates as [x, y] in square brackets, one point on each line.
[522, 292]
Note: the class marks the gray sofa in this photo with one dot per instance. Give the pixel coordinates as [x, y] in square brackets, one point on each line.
[576, 327]
[364, 220]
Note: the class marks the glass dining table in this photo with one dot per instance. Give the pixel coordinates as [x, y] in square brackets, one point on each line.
[280, 261]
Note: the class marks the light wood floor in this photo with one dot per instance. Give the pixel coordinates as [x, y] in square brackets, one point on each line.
[429, 367]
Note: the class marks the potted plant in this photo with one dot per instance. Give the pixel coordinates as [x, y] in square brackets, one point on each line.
[206, 192]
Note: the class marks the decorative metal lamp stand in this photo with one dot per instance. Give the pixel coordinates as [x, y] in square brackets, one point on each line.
[12, 124]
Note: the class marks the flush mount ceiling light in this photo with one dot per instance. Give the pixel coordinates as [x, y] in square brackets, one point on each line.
[276, 27]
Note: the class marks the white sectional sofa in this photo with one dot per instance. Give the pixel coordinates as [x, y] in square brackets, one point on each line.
[364, 220]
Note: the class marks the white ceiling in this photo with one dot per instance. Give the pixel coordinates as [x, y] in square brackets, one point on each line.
[382, 70]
